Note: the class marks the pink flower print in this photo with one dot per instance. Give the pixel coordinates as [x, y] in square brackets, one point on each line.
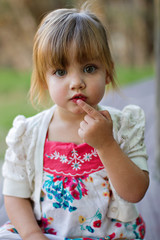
[97, 224]
[84, 191]
[44, 223]
[57, 178]
[105, 194]
[51, 231]
[83, 188]
[84, 177]
[111, 236]
[118, 224]
[142, 231]
[67, 182]
[75, 194]
[73, 186]
[139, 220]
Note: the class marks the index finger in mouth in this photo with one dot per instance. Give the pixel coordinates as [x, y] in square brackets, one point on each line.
[88, 109]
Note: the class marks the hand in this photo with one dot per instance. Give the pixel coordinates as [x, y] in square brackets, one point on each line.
[96, 128]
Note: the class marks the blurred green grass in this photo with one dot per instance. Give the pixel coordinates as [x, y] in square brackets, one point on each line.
[131, 75]
[14, 87]
[14, 100]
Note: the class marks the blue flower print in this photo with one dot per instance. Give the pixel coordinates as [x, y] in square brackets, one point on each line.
[63, 190]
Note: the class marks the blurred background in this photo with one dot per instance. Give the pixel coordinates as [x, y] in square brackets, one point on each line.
[131, 34]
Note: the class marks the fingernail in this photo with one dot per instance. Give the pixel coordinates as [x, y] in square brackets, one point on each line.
[78, 101]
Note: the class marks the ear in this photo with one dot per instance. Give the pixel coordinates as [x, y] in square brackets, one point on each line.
[108, 79]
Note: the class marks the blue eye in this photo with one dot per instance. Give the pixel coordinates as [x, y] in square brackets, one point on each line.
[60, 72]
[89, 69]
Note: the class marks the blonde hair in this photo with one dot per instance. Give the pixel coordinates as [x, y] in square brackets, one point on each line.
[53, 39]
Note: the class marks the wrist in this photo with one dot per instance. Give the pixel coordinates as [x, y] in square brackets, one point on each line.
[108, 146]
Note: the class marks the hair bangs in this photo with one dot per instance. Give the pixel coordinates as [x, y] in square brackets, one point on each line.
[78, 32]
[87, 49]
[54, 55]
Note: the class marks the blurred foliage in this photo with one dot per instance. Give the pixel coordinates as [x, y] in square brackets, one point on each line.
[130, 24]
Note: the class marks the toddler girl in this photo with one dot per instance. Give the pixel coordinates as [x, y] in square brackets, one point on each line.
[74, 171]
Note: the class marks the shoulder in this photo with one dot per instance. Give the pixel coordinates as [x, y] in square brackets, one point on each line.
[128, 122]
[129, 132]
[127, 114]
[23, 127]
[131, 117]
[37, 119]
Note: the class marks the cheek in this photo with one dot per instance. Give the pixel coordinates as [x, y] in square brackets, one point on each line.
[98, 91]
[57, 93]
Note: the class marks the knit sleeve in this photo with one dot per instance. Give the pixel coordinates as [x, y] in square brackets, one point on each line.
[14, 168]
[131, 135]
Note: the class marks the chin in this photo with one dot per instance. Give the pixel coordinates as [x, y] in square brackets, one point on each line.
[77, 110]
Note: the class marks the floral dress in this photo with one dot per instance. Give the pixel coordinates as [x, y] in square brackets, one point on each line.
[76, 194]
[75, 197]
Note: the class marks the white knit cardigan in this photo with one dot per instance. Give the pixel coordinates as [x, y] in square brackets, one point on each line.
[23, 166]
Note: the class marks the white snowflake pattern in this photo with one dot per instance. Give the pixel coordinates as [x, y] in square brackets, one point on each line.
[56, 155]
[87, 157]
[63, 159]
[75, 160]
[76, 166]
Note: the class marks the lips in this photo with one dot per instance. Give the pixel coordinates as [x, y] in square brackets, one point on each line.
[78, 96]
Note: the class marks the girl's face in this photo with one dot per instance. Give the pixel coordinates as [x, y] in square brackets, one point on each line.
[78, 80]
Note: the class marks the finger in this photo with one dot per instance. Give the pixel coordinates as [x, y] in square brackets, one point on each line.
[106, 114]
[83, 125]
[88, 109]
[88, 119]
[81, 133]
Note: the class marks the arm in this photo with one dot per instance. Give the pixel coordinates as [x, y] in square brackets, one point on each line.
[21, 215]
[129, 181]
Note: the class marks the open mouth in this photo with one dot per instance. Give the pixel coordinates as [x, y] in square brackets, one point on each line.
[77, 97]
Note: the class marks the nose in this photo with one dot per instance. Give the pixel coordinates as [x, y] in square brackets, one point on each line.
[77, 82]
